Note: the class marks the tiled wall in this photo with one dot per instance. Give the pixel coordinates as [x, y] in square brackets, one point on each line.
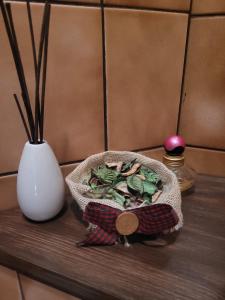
[15, 286]
[121, 77]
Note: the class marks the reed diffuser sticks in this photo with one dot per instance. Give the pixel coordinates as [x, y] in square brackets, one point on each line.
[33, 121]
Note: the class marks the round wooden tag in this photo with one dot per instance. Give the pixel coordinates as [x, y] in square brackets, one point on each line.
[127, 223]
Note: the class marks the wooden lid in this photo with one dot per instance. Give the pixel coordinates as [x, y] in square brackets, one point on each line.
[127, 223]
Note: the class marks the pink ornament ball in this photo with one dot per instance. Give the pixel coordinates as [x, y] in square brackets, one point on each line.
[174, 145]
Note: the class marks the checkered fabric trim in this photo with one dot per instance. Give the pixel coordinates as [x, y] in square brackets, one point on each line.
[156, 218]
[98, 236]
[152, 219]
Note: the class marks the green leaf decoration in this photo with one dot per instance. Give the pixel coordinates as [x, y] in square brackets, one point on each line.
[93, 186]
[122, 187]
[105, 174]
[149, 188]
[127, 166]
[102, 189]
[99, 192]
[117, 197]
[129, 184]
[117, 180]
[150, 175]
[153, 177]
[147, 199]
[135, 183]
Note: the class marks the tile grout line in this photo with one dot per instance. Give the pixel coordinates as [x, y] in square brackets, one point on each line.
[10, 173]
[144, 8]
[70, 162]
[104, 76]
[20, 286]
[147, 148]
[207, 15]
[61, 2]
[184, 68]
[205, 148]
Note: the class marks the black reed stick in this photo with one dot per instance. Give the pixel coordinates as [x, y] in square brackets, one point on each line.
[44, 73]
[21, 75]
[22, 117]
[35, 128]
[39, 64]
[32, 37]
[34, 59]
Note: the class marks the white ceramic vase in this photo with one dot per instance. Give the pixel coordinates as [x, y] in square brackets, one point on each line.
[40, 184]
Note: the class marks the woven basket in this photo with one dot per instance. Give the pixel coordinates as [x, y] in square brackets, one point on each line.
[170, 194]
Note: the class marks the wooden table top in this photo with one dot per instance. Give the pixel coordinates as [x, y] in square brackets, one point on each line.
[192, 266]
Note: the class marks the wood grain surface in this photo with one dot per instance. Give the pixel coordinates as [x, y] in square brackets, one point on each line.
[191, 266]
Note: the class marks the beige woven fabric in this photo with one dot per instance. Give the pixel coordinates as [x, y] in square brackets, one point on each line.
[171, 191]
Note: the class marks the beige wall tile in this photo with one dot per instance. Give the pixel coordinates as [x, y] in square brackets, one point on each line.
[9, 285]
[8, 198]
[201, 160]
[203, 109]
[35, 290]
[75, 129]
[206, 161]
[144, 52]
[66, 169]
[11, 128]
[208, 6]
[74, 100]
[164, 4]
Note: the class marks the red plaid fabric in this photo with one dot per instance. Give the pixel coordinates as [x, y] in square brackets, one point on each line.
[98, 236]
[152, 220]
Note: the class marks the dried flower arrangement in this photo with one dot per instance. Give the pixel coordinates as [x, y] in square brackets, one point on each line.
[129, 184]
[125, 193]
[33, 122]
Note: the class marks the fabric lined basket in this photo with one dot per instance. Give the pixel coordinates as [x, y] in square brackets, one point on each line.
[170, 195]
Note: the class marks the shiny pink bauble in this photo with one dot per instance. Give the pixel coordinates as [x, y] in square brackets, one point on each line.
[174, 141]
